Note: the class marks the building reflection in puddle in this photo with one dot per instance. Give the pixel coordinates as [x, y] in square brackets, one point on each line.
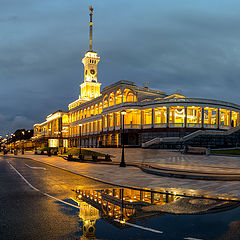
[121, 205]
[89, 215]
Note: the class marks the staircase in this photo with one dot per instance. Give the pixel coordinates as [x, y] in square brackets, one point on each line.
[157, 140]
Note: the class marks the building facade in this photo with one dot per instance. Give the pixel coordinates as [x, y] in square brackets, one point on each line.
[95, 117]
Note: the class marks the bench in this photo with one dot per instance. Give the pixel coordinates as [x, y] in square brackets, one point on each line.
[194, 150]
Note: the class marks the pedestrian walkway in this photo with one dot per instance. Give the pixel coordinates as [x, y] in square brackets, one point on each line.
[134, 177]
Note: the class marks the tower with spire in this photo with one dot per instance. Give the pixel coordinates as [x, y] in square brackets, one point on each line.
[90, 88]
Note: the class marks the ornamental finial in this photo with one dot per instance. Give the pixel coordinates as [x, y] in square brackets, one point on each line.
[91, 9]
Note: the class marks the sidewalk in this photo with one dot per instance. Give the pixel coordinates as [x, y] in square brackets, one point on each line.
[134, 177]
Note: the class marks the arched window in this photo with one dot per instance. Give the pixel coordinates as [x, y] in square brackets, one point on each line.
[81, 114]
[111, 99]
[129, 96]
[92, 110]
[96, 109]
[88, 112]
[105, 101]
[65, 118]
[118, 96]
[85, 113]
[100, 108]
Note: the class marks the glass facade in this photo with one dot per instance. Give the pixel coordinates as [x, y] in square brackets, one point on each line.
[162, 117]
[176, 116]
[194, 117]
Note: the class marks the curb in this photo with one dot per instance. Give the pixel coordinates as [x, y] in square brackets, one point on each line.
[188, 175]
[87, 176]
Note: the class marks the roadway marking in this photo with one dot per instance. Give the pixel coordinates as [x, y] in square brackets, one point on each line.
[31, 186]
[69, 204]
[25, 180]
[59, 200]
[137, 226]
[36, 167]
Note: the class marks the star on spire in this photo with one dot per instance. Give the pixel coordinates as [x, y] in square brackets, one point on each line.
[91, 9]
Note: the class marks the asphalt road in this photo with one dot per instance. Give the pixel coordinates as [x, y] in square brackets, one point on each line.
[28, 209]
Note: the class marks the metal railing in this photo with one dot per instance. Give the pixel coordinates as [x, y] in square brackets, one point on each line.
[194, 125]
[160, 125]
[210, 126]
[224, 126]
[176, 125]
[145, 126]
[132, 126]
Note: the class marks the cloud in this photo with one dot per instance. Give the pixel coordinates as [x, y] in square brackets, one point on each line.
[188, 45]
[9, 124]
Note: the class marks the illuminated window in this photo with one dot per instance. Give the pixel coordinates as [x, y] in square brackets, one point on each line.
[88, 112]
[100, 108]
[111, 99]
[176, 115]
[105, 121]
[128, 96]
[100, 125]
[147, 116]
[65, 118]
[53, 142]
[105, 101]
[110, 119]
[194, 114]
[118, 96]
[96, 109]
[133, 116]
[117, 119]
[160, 115]
[235, 119]
[210, 115]
[92, 111]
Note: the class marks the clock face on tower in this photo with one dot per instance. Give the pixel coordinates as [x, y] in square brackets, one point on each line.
[92, 71]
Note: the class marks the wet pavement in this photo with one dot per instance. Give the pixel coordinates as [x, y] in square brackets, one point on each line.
[134, 177]
[39, 201]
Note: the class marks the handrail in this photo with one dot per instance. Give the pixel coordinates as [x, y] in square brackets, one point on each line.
[189, 136]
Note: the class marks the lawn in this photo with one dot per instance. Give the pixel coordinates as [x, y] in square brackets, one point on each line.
[75, 152]
[226, 152]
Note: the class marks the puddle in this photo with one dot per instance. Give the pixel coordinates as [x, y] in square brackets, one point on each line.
[130, 211]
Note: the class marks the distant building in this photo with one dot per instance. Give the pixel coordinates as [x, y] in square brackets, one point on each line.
[150, 114]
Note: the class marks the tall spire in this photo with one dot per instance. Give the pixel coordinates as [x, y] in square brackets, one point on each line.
[90, 88]
[90, 28]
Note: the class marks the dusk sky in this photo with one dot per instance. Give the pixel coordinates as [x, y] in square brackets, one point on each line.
[192, 46]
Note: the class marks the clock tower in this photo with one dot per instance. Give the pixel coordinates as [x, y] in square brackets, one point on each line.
[90, 88]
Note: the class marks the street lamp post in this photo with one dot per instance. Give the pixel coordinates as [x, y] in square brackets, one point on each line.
[14, 145]
[122, 163]
[23, 143]
[80, 142]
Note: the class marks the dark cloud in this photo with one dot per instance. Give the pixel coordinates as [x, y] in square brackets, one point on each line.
[188, 45]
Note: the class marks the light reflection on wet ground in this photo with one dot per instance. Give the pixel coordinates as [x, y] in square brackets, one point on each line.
[105, 211]
[124, 208]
